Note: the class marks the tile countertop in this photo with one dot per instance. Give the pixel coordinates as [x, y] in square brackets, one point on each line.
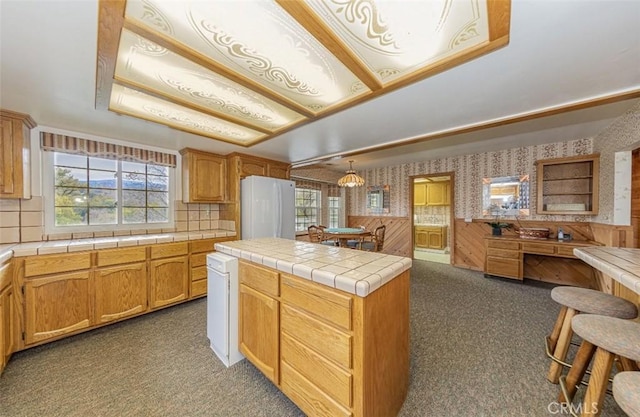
[621, 264]
[351, 270]
[75, 245]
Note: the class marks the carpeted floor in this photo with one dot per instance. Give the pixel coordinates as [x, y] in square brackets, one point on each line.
[476, 350]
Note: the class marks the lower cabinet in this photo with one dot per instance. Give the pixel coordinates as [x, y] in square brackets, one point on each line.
[121, 291]
[7, 316]
[503, 258]
[431, 237]
[169, 279]
[57, 304]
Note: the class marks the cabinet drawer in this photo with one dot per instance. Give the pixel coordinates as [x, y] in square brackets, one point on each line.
[541, 248]
[321, 301]
[565, 251]
[198, 288]
[327, 340]
[204, 245]
[108, 257]
[311, 400]
[170, 249]
[198, 273]
[330, 378]
[259, 278]
[503, 267]
[503, 244]
[503, 253]
[199, 259]
[51, 264]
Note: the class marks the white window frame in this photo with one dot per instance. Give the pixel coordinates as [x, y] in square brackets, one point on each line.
[48, 189]
[318, 208]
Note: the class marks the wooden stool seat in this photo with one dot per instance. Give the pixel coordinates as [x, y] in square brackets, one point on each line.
[626, 391]
[576, 300]
[608, 337]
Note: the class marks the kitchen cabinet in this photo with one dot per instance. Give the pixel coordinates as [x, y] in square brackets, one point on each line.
[169, 274]
[121, 288]
[437, 194]
[420, 194]
[503, 258]
[431, 237]
[259, 318]
[7, 315]
[204, 177]
[15, 154]
[568, 185]
[199, 250]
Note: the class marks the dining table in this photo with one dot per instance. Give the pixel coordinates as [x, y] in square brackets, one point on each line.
[344, 234]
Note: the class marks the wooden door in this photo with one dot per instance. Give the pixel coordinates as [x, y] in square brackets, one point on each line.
[56, 305]
[121, 291]
[169, 281]
[259, 329]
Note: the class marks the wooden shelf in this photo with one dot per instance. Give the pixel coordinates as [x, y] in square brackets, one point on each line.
[568, 185]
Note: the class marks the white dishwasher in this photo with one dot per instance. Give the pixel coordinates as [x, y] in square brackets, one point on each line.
[222, 307]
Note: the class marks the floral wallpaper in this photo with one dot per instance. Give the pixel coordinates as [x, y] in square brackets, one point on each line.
[469, 171]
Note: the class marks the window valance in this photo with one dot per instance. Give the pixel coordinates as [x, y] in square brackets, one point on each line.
[78, 146]
[309, 185]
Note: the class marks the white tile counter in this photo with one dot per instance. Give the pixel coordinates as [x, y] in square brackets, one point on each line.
[621, 264]
[349, 270]
[75, 245]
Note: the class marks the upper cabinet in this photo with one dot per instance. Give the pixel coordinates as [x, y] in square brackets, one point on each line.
[204, 177]
[568, 185]
[419, 194]
[431, 194]
[241, 166]
[15, 154]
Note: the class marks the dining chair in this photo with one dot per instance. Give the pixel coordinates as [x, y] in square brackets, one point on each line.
[316, 235]
[377, 240]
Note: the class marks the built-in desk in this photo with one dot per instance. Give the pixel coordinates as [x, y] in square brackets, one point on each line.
[505, 257]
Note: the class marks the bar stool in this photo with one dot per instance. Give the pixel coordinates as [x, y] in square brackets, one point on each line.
[576, 300]
[626, 391]
[608, 337]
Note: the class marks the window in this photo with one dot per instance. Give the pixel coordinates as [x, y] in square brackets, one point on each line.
[93, 192]
[334, 211]
[307, 208]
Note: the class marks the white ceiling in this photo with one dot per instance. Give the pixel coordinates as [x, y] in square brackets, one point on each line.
[561, 52]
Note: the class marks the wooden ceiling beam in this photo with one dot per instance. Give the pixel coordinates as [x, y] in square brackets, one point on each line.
[110, 21]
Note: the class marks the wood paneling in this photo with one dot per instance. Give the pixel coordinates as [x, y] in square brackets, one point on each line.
[611, 235]
[635, 196]
[397, 237]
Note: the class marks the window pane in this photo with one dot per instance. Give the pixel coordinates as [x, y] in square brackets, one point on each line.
[71, 197]
[104, 164]
[71, 177]
[68, 216]
[134, 198]
[69, 160]
[102, 198]
[103, 216]
[102, 179]
[157, 199]
[133, 181]
[158, 215]
[134, 167]
[158, 170]
[157, 183]
[133, 215]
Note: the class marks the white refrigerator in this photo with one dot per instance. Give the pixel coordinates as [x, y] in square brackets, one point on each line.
[268, 207]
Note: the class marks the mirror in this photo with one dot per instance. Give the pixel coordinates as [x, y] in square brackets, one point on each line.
[507, 196]
[378, 200]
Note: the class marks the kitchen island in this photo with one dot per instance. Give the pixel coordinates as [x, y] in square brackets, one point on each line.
[328, 325]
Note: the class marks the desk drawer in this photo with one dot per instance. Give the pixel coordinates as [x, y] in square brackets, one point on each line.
[503, 244]
[502, 267]
[566, 251]
[540, 248]
[503, 253]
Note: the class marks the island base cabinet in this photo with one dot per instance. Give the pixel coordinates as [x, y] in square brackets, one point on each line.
[56, 305]
[120, 292]
[259, 331]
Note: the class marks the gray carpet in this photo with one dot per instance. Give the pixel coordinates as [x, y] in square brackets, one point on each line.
[476, 350]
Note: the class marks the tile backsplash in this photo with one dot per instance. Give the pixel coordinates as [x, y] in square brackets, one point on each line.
[22, 221]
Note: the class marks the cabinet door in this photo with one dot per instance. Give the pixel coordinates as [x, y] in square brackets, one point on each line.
[57, 305]
[422, 239]
[7, 325]
[252, 167]
[8, 157]
[121, 291]
[435, 240]
[419, 194]
[437, 194]
[278, 171]
[259, 329]
[204, 177]
[169, 281]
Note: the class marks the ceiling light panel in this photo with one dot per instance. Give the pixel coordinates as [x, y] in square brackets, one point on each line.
[134, 103]
[397, 38]
[143, 63]
[258, 40]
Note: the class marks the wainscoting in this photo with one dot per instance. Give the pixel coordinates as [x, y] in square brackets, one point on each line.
[397, 236]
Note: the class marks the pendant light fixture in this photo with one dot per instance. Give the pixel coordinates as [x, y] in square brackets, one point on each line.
[351, 179]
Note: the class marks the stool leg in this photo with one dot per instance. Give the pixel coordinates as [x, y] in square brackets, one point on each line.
[555, 333]
[627, 364]
[577, 371]
[600, 372]
[562, 346]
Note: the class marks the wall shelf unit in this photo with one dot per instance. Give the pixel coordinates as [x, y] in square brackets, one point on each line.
[568, 185]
